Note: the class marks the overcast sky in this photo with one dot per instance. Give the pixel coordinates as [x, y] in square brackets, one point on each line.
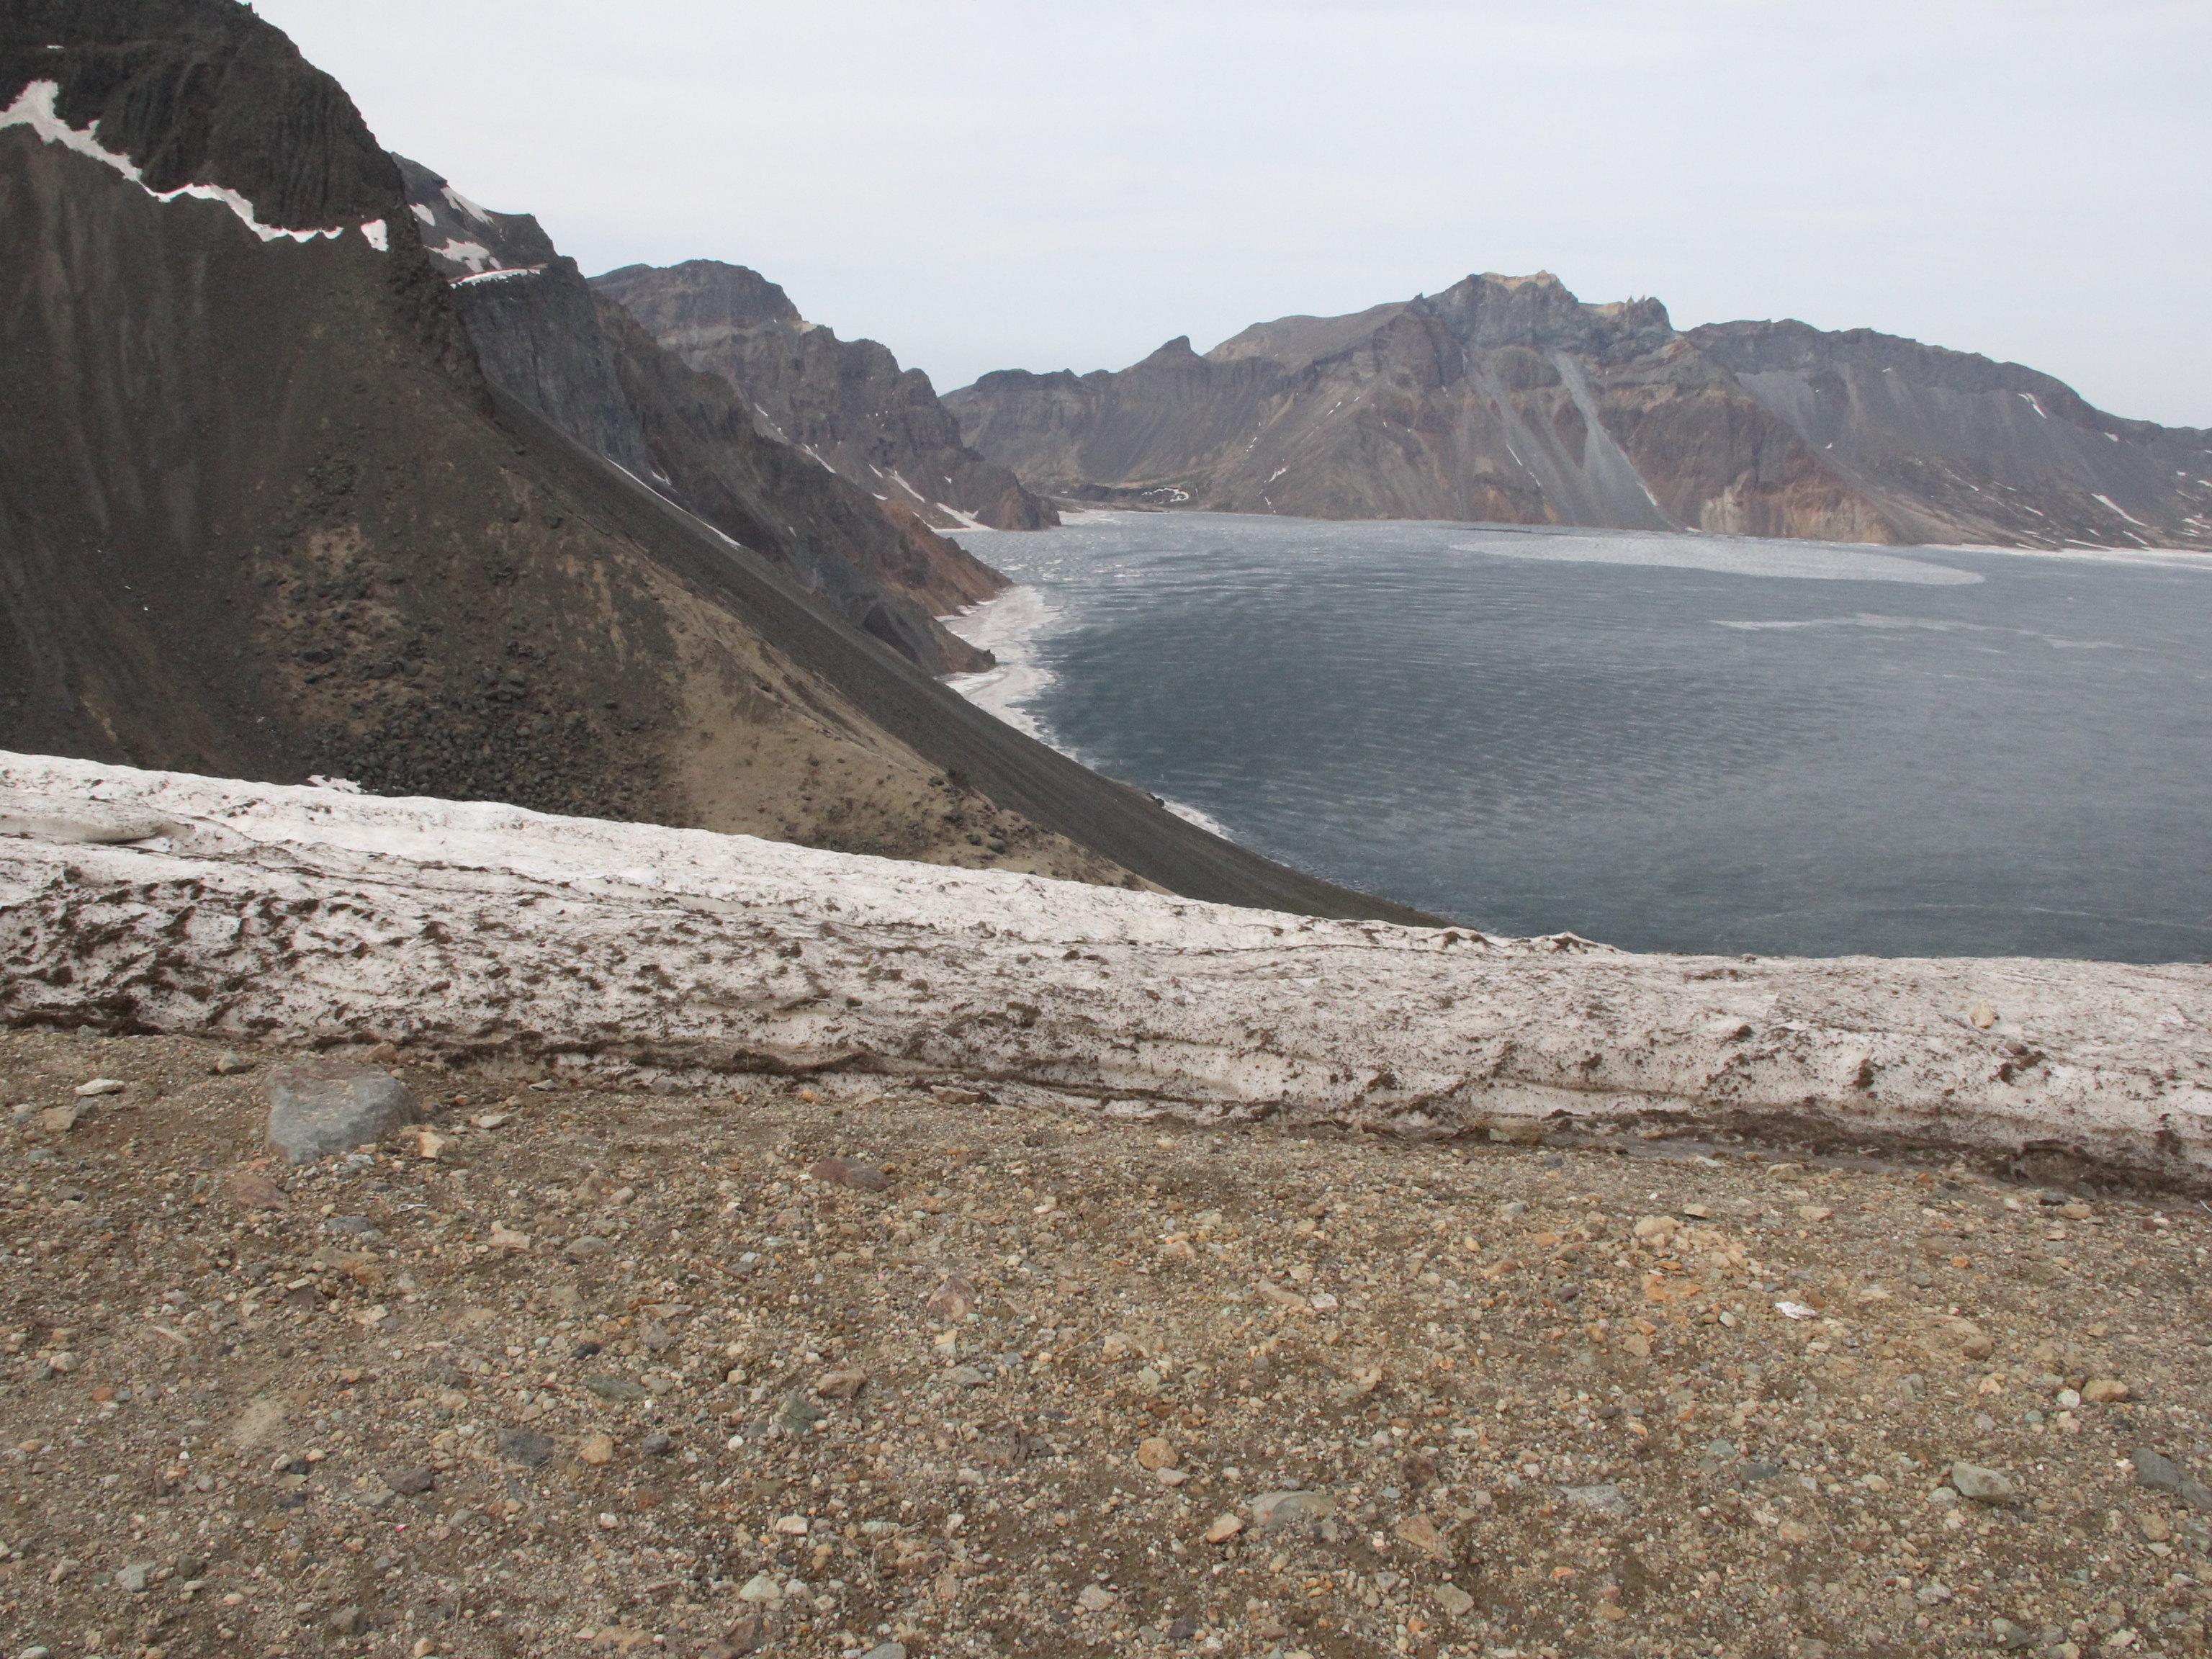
[983, 184]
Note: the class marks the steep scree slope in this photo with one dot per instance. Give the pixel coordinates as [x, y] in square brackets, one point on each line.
[585, 365]
[847, 402]
[1507, 400]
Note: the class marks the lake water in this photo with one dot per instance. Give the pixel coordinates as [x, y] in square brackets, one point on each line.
[1665, 742]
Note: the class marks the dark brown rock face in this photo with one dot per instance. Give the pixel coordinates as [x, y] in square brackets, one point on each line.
[847, 402]
[1507, 400]
[262, 515]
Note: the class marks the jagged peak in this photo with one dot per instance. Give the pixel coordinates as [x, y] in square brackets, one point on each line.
[711, 291]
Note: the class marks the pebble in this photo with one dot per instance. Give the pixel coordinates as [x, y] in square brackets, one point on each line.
[1453, 1600]
[1273, 1510]
[2104, 1390]
[842, 1172]
[1984, 1485]
[1607, 1498]
[618, 1390]
[413, 1483]
[1096, 1598]
[596, 1449]
[886, 1651]
[230, 1063]
[526, 1447]
[251, 1190]
[760, 1587]
[100, 1085]
[133, 1578]
[1155, 1454]
[2160, 1473]
[1224, 1527]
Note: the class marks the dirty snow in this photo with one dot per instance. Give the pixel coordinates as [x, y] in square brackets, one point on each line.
[183, 903]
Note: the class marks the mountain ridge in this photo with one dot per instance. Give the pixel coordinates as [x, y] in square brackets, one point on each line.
[1508, 400]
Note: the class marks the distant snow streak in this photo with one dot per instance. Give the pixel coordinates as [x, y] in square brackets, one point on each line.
[35, 108]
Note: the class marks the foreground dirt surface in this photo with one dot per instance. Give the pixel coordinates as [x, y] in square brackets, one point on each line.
[617, 1370]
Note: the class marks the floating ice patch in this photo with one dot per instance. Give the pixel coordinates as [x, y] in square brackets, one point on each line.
[1730, 555]
[1925, 624]
[35, 108]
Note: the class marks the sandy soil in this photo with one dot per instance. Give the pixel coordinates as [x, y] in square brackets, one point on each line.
[631, 1358]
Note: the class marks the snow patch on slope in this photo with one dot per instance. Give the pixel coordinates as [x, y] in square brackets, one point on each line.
[35, 108]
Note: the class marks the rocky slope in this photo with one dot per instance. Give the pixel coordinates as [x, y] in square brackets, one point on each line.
[1507, 400]
[265, 515]
[847, 402]
[585, 364]
[865, 1368]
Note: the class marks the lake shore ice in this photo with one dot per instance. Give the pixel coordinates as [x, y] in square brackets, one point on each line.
[164, 901]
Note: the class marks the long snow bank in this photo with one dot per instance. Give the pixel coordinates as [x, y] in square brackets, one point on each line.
[35, 108]
[161, 901]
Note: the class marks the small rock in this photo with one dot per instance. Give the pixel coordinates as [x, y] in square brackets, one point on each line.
[844, 1172]
[1983, 1016]
[952, 1301]
[2160, 1473]
[1605, 1499]
[251, 1190]
[620, 1390]
[2006, 1634]
[1421, 1533]
[1096, 1598]
[319, 1107]
[760, 1587]
[841, 1385]
[60, 1120]
[1224, 1527]
[797, 1414]
[505, 1239]
[356, 1225]
[526, 1447]
[133, 1578]
[230, 1063]
[886, 1651]
[98, 1087]
[1155, 1454]
[2104, 1391]
[348, 1621]
[967, 1377]
[1273, 1510]
[1657, 1228]
[1453, 1600]
[596, 1449]
[657, 1445]
[413, 1483]
[1984, 1485]
[492, 1120]
[587, 1245]
[1814, 1212]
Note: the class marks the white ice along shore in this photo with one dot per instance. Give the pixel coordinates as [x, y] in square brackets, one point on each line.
[157, 901]
[35, 108]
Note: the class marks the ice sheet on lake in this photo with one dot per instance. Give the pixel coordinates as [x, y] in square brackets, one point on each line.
[1734, 555]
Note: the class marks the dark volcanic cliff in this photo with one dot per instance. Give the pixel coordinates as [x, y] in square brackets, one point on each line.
[585, 364]
[847, 402]
[1507, 400]
[261, 514]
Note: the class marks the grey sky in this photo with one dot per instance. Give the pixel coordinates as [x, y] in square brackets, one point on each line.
[982, 183]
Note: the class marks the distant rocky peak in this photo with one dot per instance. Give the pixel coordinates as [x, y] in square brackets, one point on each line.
[701, 301]
[1539, 311]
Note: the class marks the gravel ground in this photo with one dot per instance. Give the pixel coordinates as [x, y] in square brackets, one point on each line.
[589, 1371]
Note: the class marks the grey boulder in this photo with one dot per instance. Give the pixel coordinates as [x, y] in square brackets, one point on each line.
[320, 1108]
[2155, 1470]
